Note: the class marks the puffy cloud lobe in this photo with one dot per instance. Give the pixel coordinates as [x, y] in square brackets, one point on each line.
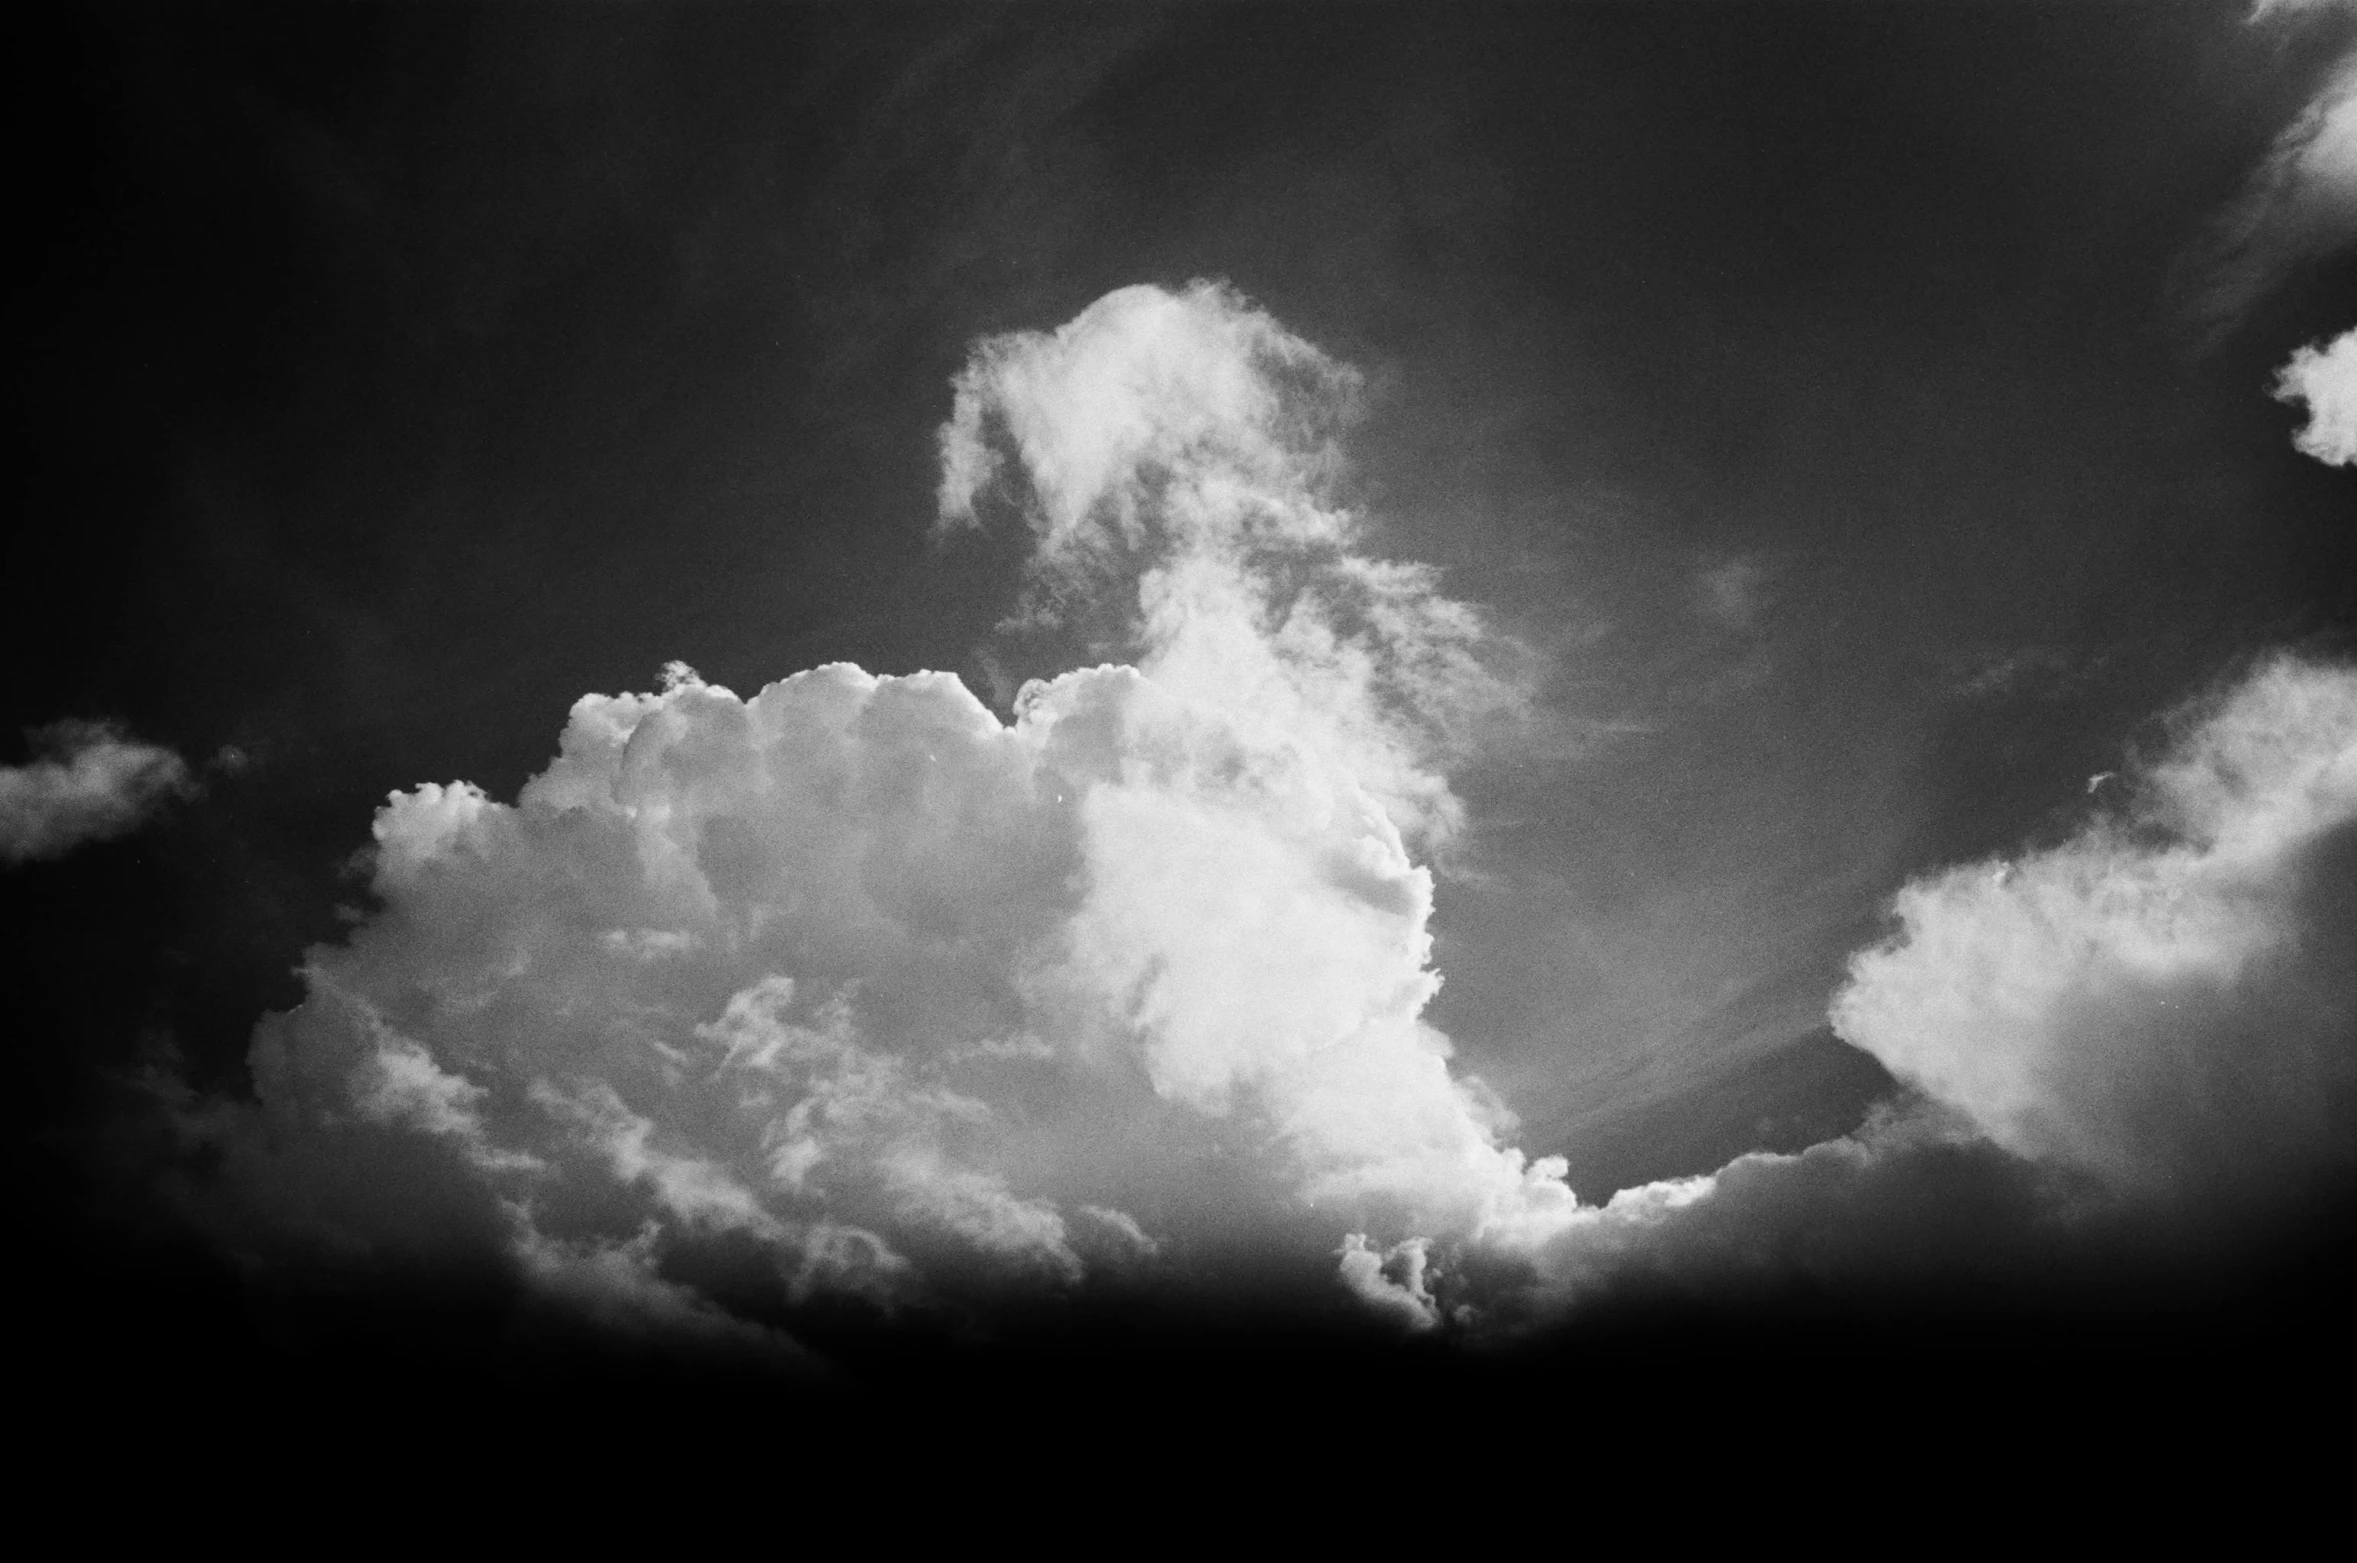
[2326, 380]
[87, 783]
[906, 999]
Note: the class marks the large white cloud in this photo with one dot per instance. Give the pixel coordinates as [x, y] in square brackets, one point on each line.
[87, 783]
[911, 1001]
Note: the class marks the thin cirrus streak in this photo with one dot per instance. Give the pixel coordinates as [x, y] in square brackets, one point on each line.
[915, 1003]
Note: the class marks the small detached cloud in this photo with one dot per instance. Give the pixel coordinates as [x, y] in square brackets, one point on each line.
[87, 782]
[2325, 379]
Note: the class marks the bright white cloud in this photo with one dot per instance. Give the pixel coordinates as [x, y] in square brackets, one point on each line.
[2325, 379]
[911, 1000]
[87, 783]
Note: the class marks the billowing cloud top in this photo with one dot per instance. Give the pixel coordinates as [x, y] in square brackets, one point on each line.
[2144, 1035]
[87, 783]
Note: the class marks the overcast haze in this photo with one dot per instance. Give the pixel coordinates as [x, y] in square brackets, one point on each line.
[772, 684]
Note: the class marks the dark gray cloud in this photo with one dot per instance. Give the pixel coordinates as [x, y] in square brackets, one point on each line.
[86, 782]
[913, 1000]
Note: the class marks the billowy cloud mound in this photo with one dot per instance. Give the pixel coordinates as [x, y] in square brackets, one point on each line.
[909, 1002]
[855, 989]
[87, 782]
[2325, 379]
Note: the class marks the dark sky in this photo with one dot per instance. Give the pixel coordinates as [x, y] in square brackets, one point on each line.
[1810, 383]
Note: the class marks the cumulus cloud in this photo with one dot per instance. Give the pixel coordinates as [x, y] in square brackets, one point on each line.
[2326, 380]
[86, 782]
[2165, 999]
[2150, 1027]
[2299, 204]
[909, 1002]
[1731, 593]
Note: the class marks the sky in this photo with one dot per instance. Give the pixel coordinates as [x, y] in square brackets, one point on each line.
[771, 684]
